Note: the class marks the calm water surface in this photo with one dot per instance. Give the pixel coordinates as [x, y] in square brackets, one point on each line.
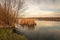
[44, 30]
[47, 23]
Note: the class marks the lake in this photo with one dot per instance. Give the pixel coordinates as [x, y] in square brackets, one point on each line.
[44, 30]
[47, 23]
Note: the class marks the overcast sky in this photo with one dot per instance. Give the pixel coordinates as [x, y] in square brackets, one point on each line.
[37, 8]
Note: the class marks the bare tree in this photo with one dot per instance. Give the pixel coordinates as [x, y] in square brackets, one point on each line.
[8, 16]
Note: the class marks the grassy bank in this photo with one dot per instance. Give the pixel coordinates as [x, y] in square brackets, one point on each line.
[7, 34]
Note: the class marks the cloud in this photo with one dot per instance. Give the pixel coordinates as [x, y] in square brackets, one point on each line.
[39, 7]
[53, 4]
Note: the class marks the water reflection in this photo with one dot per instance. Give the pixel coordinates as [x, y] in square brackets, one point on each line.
[48, 23]
[40, 24]
[44, 30]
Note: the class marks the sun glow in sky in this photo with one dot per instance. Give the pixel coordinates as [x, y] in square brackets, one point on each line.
[41, 8]
[38, 8]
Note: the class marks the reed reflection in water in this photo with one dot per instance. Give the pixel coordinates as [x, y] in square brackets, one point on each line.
[44, 30]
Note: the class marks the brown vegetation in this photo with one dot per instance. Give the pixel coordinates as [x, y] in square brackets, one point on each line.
[8, 16]
[27, 22]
